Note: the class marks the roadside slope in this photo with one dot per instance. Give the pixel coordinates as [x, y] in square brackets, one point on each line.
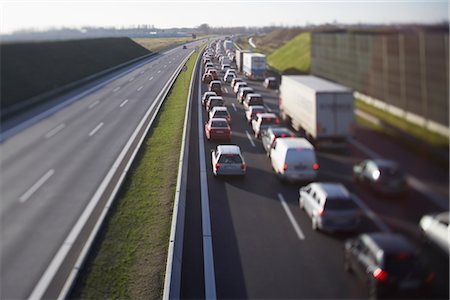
[293, 57]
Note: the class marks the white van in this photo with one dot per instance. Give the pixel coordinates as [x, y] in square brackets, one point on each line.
[294, 159]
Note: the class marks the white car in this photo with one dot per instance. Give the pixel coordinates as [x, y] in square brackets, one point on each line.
[435, 228]
[330, 207]
[263, 121]
[252, 112]
[225, 67]
[220, 112]
[228, 71]
[228, 77]
[209, 65]
[228, 160]
[238, 85]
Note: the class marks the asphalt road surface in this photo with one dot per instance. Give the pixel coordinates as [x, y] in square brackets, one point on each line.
[263, 244]
[51, 169]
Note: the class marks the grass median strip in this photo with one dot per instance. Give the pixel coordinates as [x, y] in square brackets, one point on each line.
[128, 259]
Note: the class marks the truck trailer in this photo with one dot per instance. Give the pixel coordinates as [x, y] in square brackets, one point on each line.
[322, 109]
[254, 66]
[240, 58]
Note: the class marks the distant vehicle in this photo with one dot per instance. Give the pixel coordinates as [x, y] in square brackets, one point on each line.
[207, 78]
[228, 45]
[216, 86]
[243, 92]
[381, 175]
[206, 96]
[253, 111]
[225, 67]
[230, 71]
[209, 65]
[228, 160]
[213, 72]
[236, 80]
[206, 60]
[220, 112]
[240, 59]
[228, 77]
[264, 121]
[294, 159]
[271, 83]
[214, 101]
[239, 85]
[330, 207]
[254, 66]
[184, 47]
[322, 108]
[387, 263]
[217, 129]
[271, 134]
[435, 229]
[253, 99]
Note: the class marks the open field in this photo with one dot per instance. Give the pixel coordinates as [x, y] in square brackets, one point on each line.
[128, 261]
[159, 44]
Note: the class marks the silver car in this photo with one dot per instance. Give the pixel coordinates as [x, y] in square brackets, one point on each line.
[228, 160]
[330, 207]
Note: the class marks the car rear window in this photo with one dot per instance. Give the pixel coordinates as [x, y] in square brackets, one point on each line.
[399, 263]
[340, 204]
[215, 85]
[221, 113]
[255, 100]
[230, 159]
[280, 133]
[390, 173]
[300, 157]
[269, 121]
[220, 124]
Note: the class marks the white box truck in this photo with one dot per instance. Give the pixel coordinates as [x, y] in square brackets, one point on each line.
[240, 58]
[254, 66]
[227, 45]
[323, 109]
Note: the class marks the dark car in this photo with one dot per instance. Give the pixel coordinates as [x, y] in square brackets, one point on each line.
[388, 263]
[381, 175]
[271, 83]
[215, 86]
[271, 134]
[184, 47]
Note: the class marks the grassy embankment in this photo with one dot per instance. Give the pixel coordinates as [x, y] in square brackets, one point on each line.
[129, 259]
[294, 57]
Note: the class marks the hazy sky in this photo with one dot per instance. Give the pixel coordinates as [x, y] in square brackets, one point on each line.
[37, 14]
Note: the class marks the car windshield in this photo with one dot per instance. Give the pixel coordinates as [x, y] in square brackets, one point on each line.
[230, 159]
[219, 124]
[340, 204]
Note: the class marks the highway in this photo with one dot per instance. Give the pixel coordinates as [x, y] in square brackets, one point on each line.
[52, 170]
[263, 245]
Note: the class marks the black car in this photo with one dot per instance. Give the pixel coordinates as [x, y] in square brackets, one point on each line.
[271, 134]
[184, 47]
[381, 175]
[388, 263]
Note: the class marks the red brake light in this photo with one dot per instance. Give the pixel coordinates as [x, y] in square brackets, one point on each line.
[380, 275]
[268, 119]
[276, 121]
[430, 277]
[285, 167]
[217, 166]
[243, 166]
[321, 212]
[283, 135]
[316, 166]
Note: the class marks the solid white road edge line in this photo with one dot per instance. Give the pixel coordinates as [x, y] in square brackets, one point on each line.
[288, 212]
[55, 130]
[36, 186]
[208, 259]
[58, 259]
[123, 103]
[250, 138]
[97, 128]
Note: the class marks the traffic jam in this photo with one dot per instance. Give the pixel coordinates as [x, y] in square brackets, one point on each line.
[293, 119]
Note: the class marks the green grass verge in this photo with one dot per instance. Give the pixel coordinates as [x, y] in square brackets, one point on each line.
[419, 132]
[294, 57]
[128, 260]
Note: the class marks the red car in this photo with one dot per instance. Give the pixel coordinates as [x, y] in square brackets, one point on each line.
[218, 129]
[207, 78]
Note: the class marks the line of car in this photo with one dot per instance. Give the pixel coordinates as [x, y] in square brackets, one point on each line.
[385, 261]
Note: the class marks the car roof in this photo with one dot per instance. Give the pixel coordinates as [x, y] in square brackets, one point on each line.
[241, 83]
[271, 78]
[209, 93]
[215, 108]
[332, 189]
[229, 149]
[246, 88]
[295, 143]
[216, 98]
[385, 163]
[279, 129]
[257, 106]
[254, 95]
[387, 242]
[219, 119]
[267, 115]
